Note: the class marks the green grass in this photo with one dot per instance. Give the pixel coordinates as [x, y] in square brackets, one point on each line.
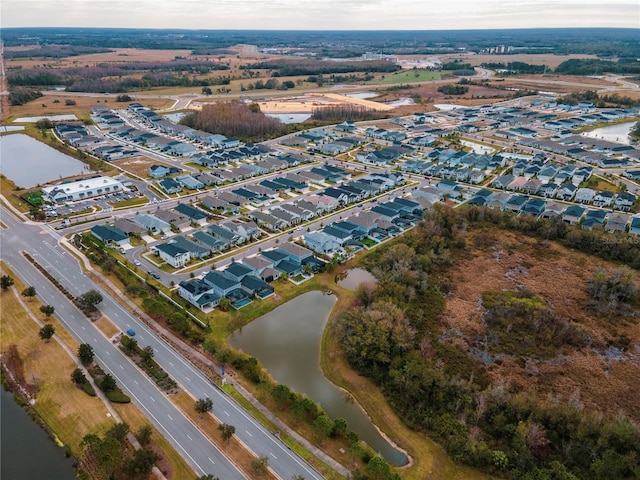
[132, 202]
[410, 76]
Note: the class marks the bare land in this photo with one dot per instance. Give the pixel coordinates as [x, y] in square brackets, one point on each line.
[138, 166]
[593, 376]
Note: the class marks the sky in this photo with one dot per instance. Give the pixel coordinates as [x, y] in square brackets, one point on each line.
[321, 14]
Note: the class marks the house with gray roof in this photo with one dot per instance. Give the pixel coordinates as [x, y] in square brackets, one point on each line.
[209, 241]
[221, 283]
[190, 183]
[170, 186]
[152, 223]
[196, 250]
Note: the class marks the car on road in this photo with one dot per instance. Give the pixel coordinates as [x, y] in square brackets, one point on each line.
[154, 275]
[131, 332]
[137, 263]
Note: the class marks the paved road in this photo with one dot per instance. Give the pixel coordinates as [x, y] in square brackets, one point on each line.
[41, 242]
[196, 449]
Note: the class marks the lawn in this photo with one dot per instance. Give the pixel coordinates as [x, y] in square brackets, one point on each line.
[132, 202]
[410, 76]
[68, 411]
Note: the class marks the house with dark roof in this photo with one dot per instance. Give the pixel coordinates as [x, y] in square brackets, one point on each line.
[110, 235]
[174, 255]
[194, 214]
[209, 241]
[198, 293]
[634, 228]
[573, 214]
[617, 222]
[222, 284]
[624, 201]
[170, 186]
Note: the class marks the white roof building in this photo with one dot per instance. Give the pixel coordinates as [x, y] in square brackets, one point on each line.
[82, 189]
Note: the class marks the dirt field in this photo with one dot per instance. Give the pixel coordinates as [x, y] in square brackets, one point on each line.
[560, 277]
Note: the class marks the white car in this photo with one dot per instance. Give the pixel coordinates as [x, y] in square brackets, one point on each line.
[137, 263]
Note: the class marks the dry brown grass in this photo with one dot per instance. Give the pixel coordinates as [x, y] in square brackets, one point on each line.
[68, 411]
[138, 165]
[45, 105]
[560, 277]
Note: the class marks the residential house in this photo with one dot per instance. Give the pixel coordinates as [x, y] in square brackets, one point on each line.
[603, 199]
[584, 195]
[323, 243]
[634, 228]
[199, 293]
[617, 222]
[170, 186]
[190, 183]
[624, 201]
[222, 284]
[566, 192]
[552, 210]
[175, 256]
[573, 214]
[152, 223]
[175, 219]
[194, 214]
[127, 226]
[110, 235]
[196, 250]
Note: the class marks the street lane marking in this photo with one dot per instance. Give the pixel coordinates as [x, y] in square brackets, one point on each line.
[189, 437]
[225, 412]
[171, 418]
[152, 399]
[211, 460]
[121, 367]
[248, 433]
[273, 455]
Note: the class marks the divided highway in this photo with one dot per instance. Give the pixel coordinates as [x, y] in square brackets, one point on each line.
[42, 243]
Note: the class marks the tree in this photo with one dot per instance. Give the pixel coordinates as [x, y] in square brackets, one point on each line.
[227, 432]
[47, 310]
[339, 427]
[77, 376]
[207, 477]
[47, 331]
[119, 431]
[322, 427]
[29, 292]
[204, 405]
[260, 465]
[85, 353]
[283, 395]
[142, 462]
[144, 434]
[108, 383]
[206, 91]
[90, 299]
[5, 282]
[147, 353]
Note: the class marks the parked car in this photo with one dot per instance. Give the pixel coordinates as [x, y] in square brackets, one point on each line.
[131, 332]
[137, 263]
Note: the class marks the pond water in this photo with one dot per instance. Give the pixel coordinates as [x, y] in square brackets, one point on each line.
[11, 128]
[401, 102]
[53, 118]
[352, 278]
[614, 133]
[287, 342]
[175, 117]
[29, 162]
[363, 95]
[27, 451]
[290, 117]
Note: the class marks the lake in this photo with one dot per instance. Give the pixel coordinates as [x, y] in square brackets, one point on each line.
[29, 162]
[27, 451]
[290, 117]
[53, 118]
[613, 133]
[287, 343]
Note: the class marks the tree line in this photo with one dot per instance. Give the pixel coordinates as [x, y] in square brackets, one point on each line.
[298, 67]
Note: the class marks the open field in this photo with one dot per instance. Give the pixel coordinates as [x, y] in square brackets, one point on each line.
[409, 76]
[506, 260]
[54, 104]
[138, 166]
[548, 59]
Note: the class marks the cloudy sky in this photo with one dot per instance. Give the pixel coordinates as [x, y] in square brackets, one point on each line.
[321, 14]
